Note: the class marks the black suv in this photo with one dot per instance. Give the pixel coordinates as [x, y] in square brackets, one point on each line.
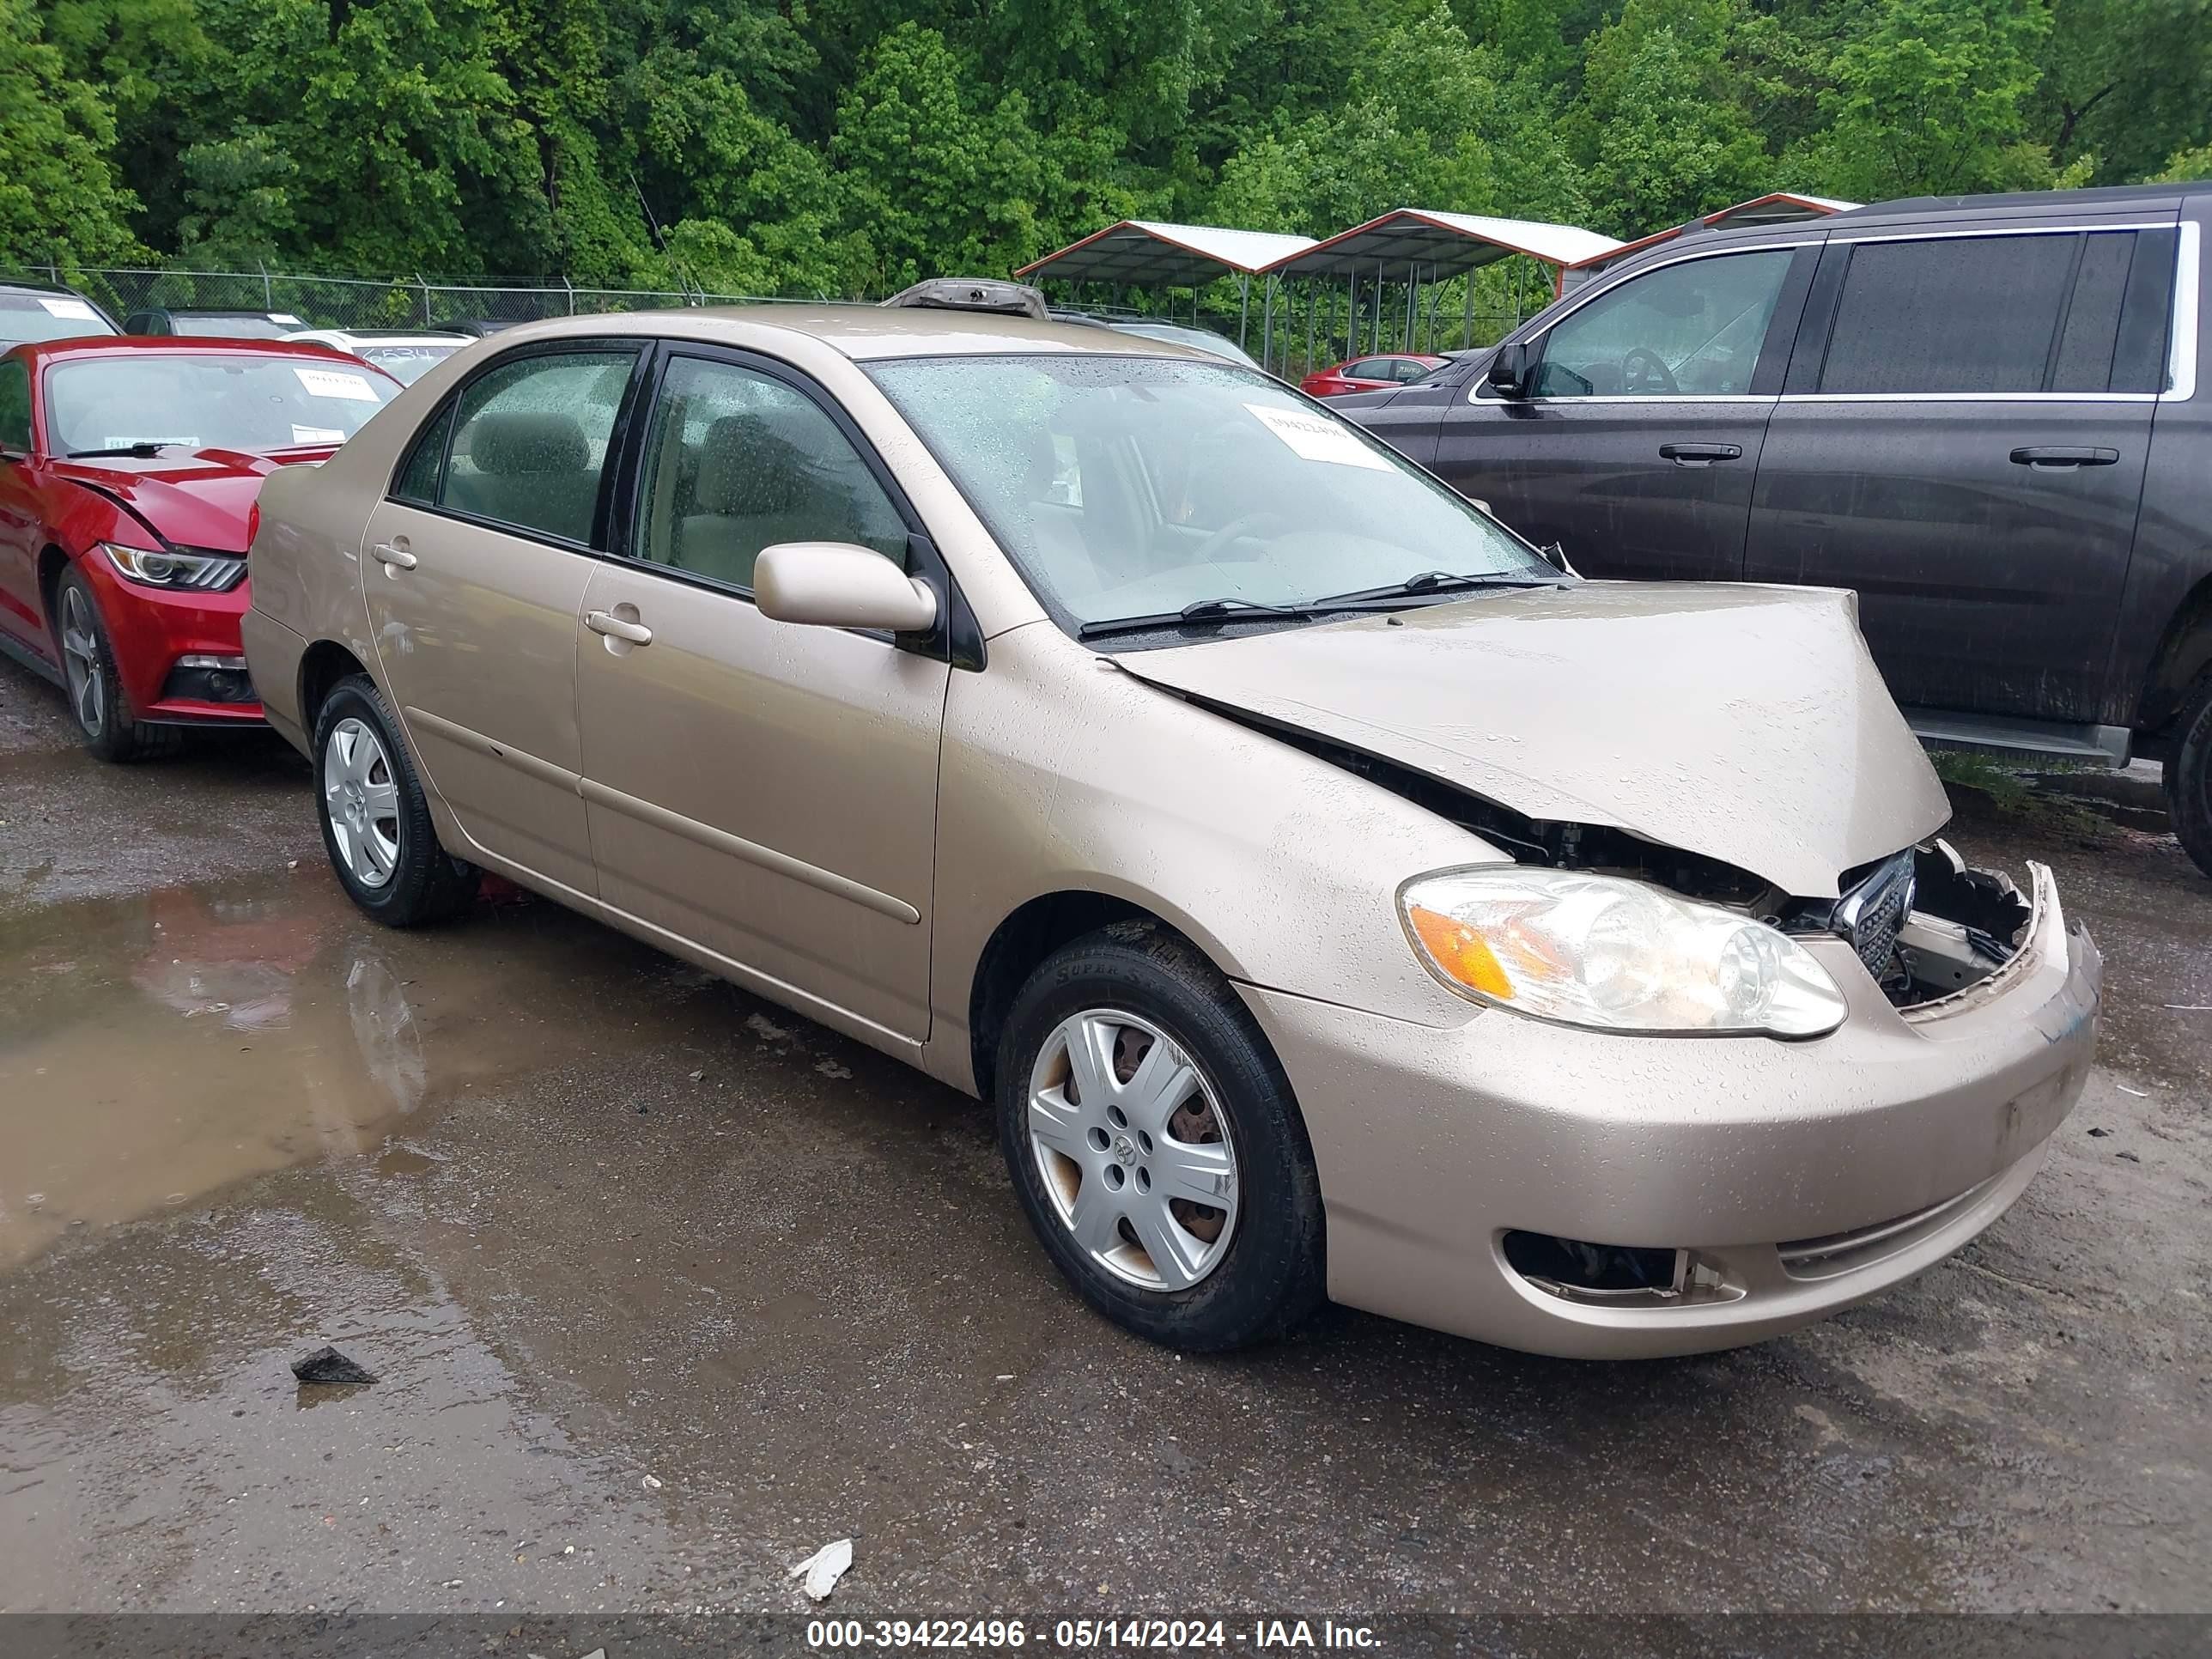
[1991, 415]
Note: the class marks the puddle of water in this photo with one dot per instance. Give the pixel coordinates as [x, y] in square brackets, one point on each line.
[154, 1048]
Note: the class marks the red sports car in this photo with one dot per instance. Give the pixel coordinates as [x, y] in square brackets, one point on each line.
[128, 471]
[1375, 374]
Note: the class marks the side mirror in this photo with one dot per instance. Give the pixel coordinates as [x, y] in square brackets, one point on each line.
[839, 584]
[1513, 370]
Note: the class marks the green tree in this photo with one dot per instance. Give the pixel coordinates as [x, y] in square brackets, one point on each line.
[59, 200]
[2126, 82]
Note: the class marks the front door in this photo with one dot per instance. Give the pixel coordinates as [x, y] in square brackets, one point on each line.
[1637, 447]
[475, 569]
[1968, 454]
[765, 791]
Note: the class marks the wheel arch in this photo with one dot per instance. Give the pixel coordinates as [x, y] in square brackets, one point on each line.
[53, 559]
[2184, 657]
[322, 666]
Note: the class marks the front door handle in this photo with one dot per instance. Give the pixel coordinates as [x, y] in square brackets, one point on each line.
[2065, 457]
[615, 628]
[393, 555]
[1699, 454]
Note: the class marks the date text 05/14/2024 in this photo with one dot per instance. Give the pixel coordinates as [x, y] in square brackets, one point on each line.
[1087, 1634]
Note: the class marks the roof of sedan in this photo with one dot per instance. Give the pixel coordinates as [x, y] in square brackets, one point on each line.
[866, 332]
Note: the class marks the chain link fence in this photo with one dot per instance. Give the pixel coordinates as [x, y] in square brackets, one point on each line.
[352, 303]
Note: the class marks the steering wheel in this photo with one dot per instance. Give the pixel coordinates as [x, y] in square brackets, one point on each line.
[1656, 376]
[1234, 530]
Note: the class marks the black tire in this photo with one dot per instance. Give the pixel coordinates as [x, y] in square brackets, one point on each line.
[426, 883]
[2189, 777]
[105, 719]
[1270, 1277]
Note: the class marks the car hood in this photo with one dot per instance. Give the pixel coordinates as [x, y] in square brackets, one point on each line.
[197, 498]
[1744, 723]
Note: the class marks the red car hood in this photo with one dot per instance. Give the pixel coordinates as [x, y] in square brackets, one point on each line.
[195, 498]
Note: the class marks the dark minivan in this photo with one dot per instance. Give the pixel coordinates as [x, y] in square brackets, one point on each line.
[1988, 415]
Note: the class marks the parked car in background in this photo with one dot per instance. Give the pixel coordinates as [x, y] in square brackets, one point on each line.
[128, 473]
[1204, 339]
[1370, 373]
[475, 327]
[405, 355]
[30, 311]
[1991, 417]
[1330, 893]
[156, 321]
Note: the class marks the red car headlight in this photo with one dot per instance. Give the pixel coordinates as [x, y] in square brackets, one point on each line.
[177, 567]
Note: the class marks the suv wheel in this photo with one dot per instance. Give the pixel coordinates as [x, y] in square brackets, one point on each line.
[2189, 778]
[1155, 1146]
[95, 689]
[375, 818]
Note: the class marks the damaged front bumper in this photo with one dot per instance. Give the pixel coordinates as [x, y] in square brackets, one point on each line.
[1778, 1180]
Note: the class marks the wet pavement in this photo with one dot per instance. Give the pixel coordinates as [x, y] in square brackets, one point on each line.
[665, 1287]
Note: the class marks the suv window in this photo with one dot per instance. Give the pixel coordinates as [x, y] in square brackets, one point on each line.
[1691, 329]
[736, 461]
[530, 442]
[15, 408]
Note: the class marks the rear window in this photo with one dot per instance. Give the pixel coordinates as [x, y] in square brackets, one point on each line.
[48, 317]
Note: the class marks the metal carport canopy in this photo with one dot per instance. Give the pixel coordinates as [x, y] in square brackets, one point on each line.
[1146, 254]
[1441, 243]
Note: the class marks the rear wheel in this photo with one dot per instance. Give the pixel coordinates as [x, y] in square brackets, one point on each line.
[2189, 778]
[95, 689]
[1154, 1143]
[375, 818]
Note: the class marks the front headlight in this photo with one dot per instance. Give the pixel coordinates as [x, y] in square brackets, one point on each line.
[1613, 954]
[177, 567]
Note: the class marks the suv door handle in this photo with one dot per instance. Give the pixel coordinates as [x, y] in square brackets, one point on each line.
[1699, 454]
[2065, 457]
[388, 553]
[615, 627]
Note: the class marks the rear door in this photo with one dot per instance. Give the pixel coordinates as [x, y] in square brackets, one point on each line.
[474, 568]
[1961, 440]
[1638, 446]
[22, 522]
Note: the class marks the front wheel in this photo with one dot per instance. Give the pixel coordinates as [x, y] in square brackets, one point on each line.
[95, 689]
[375, 818]
[1155, 1145]
[2189, 778]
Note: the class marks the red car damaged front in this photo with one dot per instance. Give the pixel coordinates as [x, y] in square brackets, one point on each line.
[131, 468]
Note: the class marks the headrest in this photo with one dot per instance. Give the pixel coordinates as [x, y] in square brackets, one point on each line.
[745, 469]
[525, 441]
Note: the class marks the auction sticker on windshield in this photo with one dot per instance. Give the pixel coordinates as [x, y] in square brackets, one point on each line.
[1317, 437]
[335, 383]
[76, 310]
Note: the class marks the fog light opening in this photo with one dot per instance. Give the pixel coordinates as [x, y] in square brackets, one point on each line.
[208, 678]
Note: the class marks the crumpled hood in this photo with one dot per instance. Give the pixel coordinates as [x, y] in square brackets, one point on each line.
[1746, 723]
[195, 498]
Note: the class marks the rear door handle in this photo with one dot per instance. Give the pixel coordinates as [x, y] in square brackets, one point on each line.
[615, 627]
[1699, 454]
[397, 557]
[2065, 457]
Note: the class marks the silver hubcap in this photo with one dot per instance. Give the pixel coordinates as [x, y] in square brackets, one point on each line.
[1135, 1152]
[80, 658]
[362, 802]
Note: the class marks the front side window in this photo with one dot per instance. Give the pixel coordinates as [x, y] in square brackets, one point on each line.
[531, 442]
[736, 461]
[1694, 329]
[1133, 486]
[16, 407]
[149, 399]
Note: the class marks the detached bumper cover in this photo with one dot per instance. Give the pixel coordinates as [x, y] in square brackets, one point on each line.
[1432, 1142]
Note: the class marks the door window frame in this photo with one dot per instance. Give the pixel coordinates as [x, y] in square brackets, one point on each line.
[1775, 350]
[447, 414]
[1809, 357]
[956, 638]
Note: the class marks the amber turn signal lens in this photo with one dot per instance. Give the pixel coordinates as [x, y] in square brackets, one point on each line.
[1460, 951]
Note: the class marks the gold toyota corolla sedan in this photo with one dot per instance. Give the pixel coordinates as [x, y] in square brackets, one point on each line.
[1333, 897]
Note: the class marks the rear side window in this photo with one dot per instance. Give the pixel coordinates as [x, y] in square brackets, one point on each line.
[530, 439]
[418, 479]
[2079, 312]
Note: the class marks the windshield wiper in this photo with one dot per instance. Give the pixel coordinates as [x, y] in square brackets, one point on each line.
[1433, 581]
[1197, 612]
[144, 449]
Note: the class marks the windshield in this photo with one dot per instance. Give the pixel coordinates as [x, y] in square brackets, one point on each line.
[1134, 486]
[47, 317]
[406, 363]
[218, 401]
